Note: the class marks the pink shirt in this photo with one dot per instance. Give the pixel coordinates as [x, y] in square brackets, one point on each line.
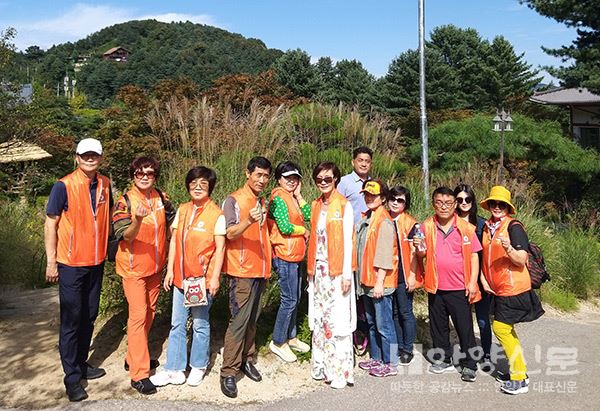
[449, 259]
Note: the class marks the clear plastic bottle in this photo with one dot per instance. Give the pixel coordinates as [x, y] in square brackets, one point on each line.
[419, 234]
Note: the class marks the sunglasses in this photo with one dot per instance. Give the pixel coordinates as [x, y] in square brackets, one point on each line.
[140, 174]
[398, 200]
[326, 180]
[500, 204]
[466, 200]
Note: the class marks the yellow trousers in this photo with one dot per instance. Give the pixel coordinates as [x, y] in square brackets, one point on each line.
[505, 333]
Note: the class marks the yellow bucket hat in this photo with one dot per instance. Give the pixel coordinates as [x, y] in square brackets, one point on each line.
[499, 193]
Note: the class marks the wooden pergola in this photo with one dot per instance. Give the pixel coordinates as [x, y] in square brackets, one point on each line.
[24, 154]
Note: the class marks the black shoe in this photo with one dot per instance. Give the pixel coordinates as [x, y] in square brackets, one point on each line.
[406, 358]
[251, 372]
[144, 386]
[153, 365]
[75, 392]
[229, 387]
[90, 372]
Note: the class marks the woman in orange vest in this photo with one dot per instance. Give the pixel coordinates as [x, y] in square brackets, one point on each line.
[197, 249]
[140, 221]
[377, 262]
[287, 214]
[332, 303]
[505, 253]
[410, 273]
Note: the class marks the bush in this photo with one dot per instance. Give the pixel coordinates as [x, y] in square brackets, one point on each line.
[22, 253]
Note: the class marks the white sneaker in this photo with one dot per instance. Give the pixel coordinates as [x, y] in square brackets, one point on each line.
[196, 376]
[338, 384]
[283, 352]
[298, 345]
[166, 377]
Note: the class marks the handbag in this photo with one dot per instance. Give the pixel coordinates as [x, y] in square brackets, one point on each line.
[194, 292]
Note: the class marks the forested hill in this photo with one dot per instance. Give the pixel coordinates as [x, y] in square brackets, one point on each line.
[158, 50]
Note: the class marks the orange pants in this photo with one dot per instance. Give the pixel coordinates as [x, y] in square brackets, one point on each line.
[141, 294]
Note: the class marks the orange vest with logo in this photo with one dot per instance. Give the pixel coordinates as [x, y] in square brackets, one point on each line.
[83, 233]
[249, 255]
[466, 231]
[146, 254]
[195, 242]
[404, 223]
[368, 273]
[503, 276]
[287, 247]
[335, 235]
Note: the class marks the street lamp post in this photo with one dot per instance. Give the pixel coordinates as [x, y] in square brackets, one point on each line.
[502, 122]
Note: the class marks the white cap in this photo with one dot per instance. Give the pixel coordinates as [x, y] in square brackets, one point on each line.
[89, 144]
[293, 172]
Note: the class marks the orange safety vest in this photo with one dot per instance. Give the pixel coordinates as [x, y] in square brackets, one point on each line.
[146, 254]
[368, 273]
[195, 241]
[82, 233]
[404, 223]
[335, 235]
[503, 276]
[287, 247]
[466, 231]
[249, 255]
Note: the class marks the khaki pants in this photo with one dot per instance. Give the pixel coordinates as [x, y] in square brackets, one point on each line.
[244, 306]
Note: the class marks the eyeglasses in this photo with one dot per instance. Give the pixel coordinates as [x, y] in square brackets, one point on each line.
[466, 200]
[141, 174]
[500, 204]
[89, 156]
[443, 204]
[398, 200]
[199, 183]
[326, 180]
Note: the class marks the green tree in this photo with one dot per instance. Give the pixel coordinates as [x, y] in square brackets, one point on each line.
[7, 48]
[399, 90]
[294, 71]
[352, 84]
[584, 51]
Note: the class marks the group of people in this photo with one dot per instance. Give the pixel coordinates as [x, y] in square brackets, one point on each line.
[364, 252]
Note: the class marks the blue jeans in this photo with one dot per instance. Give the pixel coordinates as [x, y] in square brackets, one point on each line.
[177, 348]
[482, 312]
[406, 324]
[290, 286]
[382, 332]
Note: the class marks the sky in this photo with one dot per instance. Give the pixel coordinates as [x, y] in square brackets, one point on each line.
[373, 32]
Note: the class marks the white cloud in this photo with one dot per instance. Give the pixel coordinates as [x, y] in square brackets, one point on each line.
[85, 19]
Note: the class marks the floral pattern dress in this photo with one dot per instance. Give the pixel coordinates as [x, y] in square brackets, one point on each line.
[332, 355]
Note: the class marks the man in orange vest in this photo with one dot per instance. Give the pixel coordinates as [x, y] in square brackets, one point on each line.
[248, 265]
[75, 235]
[450, 246]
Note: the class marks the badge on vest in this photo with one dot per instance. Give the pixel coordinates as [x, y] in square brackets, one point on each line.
[466, 240]
[199, 227]
[102, 198]
[336, 216]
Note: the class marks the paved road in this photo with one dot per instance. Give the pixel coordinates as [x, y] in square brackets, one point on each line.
[551, 346]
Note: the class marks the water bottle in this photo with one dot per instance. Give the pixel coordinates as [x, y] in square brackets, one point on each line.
[419, 234]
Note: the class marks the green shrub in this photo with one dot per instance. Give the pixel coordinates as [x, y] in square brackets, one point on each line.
[22, 253]
[559, 298]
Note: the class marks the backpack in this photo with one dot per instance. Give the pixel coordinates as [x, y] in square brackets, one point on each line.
[536, 264]
[113, 239]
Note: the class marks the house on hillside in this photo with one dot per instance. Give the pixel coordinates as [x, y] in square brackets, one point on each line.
[584, 107]
[118, 54]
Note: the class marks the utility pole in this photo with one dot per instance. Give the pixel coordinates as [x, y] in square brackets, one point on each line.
[424, 134]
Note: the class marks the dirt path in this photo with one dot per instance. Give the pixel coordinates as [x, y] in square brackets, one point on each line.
[31, 376]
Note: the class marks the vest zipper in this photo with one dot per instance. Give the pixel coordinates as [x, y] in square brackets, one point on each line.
[155, 235]
[95, 212]
[183, 238]
[260, 236]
